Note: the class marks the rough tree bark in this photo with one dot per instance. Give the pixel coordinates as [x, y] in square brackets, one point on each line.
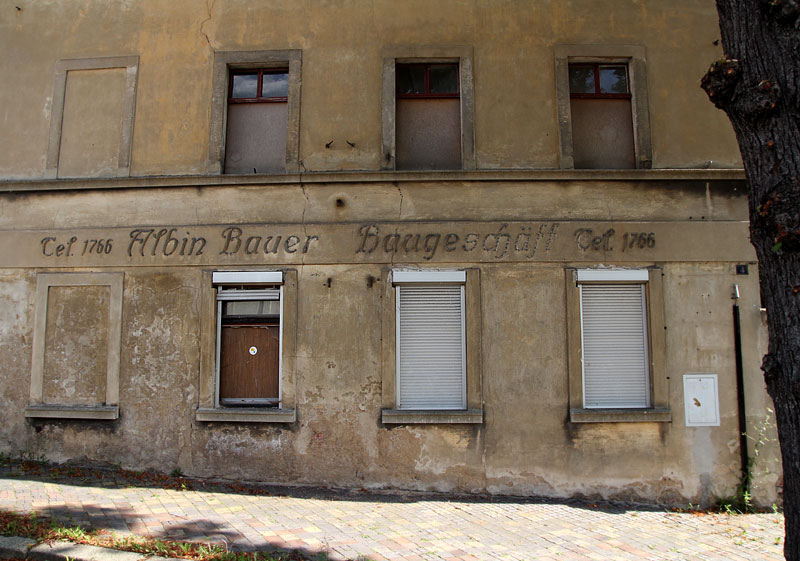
[757, 84]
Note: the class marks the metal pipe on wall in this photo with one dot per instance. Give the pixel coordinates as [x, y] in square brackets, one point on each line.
[737, 343]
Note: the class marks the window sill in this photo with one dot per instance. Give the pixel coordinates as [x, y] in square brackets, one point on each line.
[246, 415]
[657, 415]
[96, 412]
[417, 417]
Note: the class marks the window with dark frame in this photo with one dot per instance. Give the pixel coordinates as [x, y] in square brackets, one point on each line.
[261, 86]
[428, 115]
[257, 121]
[602, 122]
[425, 80]
[591, 81]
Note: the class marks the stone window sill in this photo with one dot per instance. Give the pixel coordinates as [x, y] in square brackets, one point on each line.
[655, 415]
[409, 417]
[246, 415]
[96, 412]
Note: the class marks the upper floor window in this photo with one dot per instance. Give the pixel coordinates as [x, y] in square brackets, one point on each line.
[428, 108]
[602, 125]
[428, 116]
[255, 112]
[258, 112]
[603, 116]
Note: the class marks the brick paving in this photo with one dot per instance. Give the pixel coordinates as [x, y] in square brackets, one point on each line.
[392, 526]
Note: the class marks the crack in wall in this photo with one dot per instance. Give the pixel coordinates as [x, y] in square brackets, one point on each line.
[399, 219]
[303, 216]
[209, 10]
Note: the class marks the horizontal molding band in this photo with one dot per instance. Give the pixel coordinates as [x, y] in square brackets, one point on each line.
[150, 182]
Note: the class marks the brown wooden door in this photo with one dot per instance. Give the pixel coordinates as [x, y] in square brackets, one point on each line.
[249, 362]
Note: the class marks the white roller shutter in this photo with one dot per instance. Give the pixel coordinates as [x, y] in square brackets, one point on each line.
[431, 372]
[614, 346]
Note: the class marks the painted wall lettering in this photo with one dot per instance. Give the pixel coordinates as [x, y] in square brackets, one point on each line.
[174, 242]
[164, 241]
[53, 247]
[364, 242]
[591, 240]
[235, 241]
[521, 242]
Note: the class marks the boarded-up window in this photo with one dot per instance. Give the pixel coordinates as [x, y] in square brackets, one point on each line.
[255, 140]
[602, 123]
[76, 346]
[91, 130]
[428, 116]
[248, 341]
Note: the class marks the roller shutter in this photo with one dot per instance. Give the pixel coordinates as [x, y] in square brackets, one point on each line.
[431, 368]
[614, 346]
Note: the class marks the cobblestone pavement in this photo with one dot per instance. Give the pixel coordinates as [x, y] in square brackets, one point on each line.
[399, 526]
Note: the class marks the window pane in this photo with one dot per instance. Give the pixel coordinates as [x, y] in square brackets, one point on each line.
[410, 79]
[443, 78]
[613, 79]
[275, 85]
[581, 79]
[244, 86]
[252, 308]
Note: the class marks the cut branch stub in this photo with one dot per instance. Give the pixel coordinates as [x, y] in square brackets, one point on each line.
[720, 82]
[779, 219]
[763, 100]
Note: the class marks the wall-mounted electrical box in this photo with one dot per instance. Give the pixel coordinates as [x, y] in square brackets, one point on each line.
[701, 400]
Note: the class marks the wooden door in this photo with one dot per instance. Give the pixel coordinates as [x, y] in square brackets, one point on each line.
[249, 363]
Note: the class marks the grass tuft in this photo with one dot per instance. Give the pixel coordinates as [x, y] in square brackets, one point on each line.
[43, 529]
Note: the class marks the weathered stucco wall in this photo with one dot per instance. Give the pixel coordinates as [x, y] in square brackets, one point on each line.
[526, 443]
[130, 89]
[513, 43]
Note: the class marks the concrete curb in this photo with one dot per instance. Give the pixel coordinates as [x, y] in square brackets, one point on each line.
[13, 546]
[24, 548]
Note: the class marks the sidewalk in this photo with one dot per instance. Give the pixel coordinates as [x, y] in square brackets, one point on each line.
[378, 526]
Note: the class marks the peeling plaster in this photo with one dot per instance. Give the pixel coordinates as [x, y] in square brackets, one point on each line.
[13, 307]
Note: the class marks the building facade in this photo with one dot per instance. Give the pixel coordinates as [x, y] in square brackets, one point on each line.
[467, 246]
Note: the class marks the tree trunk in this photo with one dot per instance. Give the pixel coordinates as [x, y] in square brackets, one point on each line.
[757, 84]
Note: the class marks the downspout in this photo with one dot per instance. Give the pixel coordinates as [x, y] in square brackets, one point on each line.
[737, 343]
